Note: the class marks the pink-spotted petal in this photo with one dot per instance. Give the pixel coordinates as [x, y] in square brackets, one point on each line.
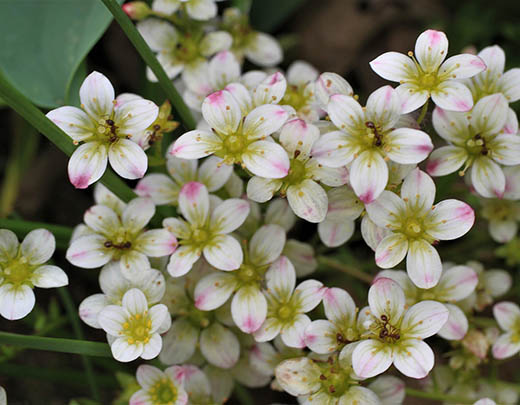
[415, 359]
[462, 66]
[293, 335]
[391, 250]
[222, 112]
[195, 144]
[329, 84]
[194, 203]
[431, 49]
[369, 176]
[249, 309]
[456, 326]
[383, 107]
[266, 159]
[371, 357]
[407, 145]
[488, 178]
[271, 90]
[182, 260]
[89, 252]
[339, 306]
[450, 219]
[213, 290]
[446, 160]
[128, 159]
[386, 297]
[334, 149]
[453, 96]
[334, 233]
[87, 164]
[457, 283]
[74, 122]
[505, 346]
[412, 97]
[423, 264]
[385, 211]
[308, 200]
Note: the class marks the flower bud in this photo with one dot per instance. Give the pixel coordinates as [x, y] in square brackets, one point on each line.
[137, 10]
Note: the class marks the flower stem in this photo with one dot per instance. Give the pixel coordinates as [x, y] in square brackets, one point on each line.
[78, 331]
[21, 104]
[329, 262]
[424, 110]
[22, 228]
[438, 396]
[151, 61]
[56, 344]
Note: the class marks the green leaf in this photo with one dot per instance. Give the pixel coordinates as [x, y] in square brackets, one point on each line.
[269, 15]
[44, 43]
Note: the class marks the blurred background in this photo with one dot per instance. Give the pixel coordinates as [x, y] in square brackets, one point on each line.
[334, 35]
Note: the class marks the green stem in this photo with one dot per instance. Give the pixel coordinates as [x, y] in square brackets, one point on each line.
[21, 104]
[22, 228]
[151, 61]
[438, 396]
[483, 322]
[243, 395]
[423, 112]
[78, 331]
[56, 344]
[329, 262]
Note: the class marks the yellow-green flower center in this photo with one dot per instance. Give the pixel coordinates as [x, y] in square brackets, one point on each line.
[163, 392]
[18, 272]
[137, 328]
[335, 379]
[296, 97]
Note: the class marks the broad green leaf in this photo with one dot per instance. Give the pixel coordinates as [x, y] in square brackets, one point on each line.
[45, 41]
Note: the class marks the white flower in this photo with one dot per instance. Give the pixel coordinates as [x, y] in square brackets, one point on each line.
[485, 401]
[476, 141]
[389, 389]
[197, 9]
[104, 196]
[306, 197]
[206, 231]
[113, 237]
[249, 304]
[367, 138]
[159, 387]
[415, 224]
[456, 284]
[300, 92]
[427, 76]
[332, 381]
[395, 334]
[328, 84]
[180, 52]
[163, 189]
[22, 267]
[287, 305]
[237, 137]
[133, 328]
[114, 286]
[106, 128]
[507, 315]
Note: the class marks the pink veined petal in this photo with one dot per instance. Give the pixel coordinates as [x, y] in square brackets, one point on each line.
[159, 187]
[214, 173]
[229, 215]
[156, 243]
[418, 190]
[266, 159]
[415, 360]
[249, 309]
[320, 337]
[308, 200]
[87, 164]
[506, 149]
[264, 120]
[489, 114]
[89, 252]
[224, 253]
[128, 159]
[407, 145]
[345, 112]
[451, 125]
[308, 294]
[334, 233]
[462, 66]
[74, 122]
[412, 97]
[194, 203]
[271, 90]
[264, 50]
[495, 59]
[446, 160]
[488, 178]
[505, 346]
[431, 49]
[281, 279]
[343, 204]
[507, 314]
[268, 331]
[148, 375]
[298, 135]
[509, 83]
[383, 107]
[457, 283]
[182, 260]
[195, 144]
[423, 264]
[339, 306]
[371, 357]
[386, 210]
[450, 219]
[391, 250]
[38, 246]
[97, 96]
[368, 176]
[386, 297]
[90, 308]
[456, 326]
[16, 302]
[293, 335]
[393, 66]
[223, 69]
[424, 319]
[222, 112]
[329, 84]
[139, 397]
[453, 96]
[242, 95]
[334, 149]
[213, 290]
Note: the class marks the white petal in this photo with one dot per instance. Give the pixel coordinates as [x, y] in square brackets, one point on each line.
[8, 245]
[87, 164]
[101, 219]
[159, 187]
[416, 360]
[249, 309]
[385, 211]
[159, 35]
[215, 41]
[386, 297]
[90, 308]
[297, 135]
[446, 160]
[462, 66]
[223, 69]
[264, 50]
[308, 200]
[489, 114]
[213, 290]
[334, 233]
[135, 116]
[134, 301]
[214, 173]
[450, 219]
[73, 121]
[128, 159]
[302, 256]
[393, 66]
[407, 145]
[334, 149]
[320, 337]
[509, 83]
[279, 213]
[264, 120]
[368, 176]
[260, 189]
[89, 252]
[201, 9]
[391, 250]
[345, 112]
[268, 331]
[179, 343]
[266, 244]
[299, 376]
[222, 112]
[339, 306]
[125, 352]
[219, 346]
[457, 283]
[266, 159]
[16, 302]
[138, 213]
[343, 204]
[147, 375]
[294, 335]
[424, 319]
[224, 252]
[49, 277]
[488, 178]
[182, 260]
[371, 233]
[505, 346]
[506, 149]
[329, 84]
[456, 326]
[453, 96]
[507, 314]
[112, 318]
[412, 97]
[495, 58]
[390, 389]
[431, 48]
[194, 203]
[423, 264]
[280, 279]
[156, 243]
[195, 144]
[503, 231]
[38, 246]
[271, 90]
[229, 215]
[370, 358]
[96, 95]
[383, 107]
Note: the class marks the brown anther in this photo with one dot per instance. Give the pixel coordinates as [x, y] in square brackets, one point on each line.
[107, 244]
[322, 377]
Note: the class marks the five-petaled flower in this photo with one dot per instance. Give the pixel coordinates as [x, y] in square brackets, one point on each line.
[159, 387]
[507, 315]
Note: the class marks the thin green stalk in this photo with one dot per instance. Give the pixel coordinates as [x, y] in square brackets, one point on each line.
[21, 104]
[56, 344]
[332, 263]
[78, 331]
[151, 61]
[243, 395]
[423, 112]
[22, 228]
[438, 396]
